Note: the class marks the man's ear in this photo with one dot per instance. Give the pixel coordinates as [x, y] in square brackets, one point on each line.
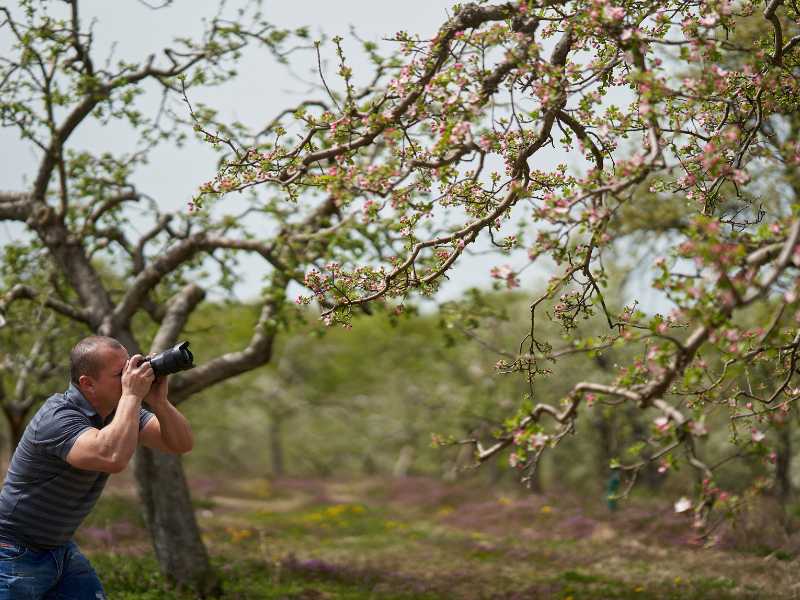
[85, 383]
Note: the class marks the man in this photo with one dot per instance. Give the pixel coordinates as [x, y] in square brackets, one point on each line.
[63, 460]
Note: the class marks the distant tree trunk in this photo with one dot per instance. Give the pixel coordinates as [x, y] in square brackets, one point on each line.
[534, 481]
[783, 464]
[608, 433]
[16, 427]
[170, 518]
[368, 466]
[404, 461]
[276, 446]
[464, 458]
[495, 472]
[16, 413]
[649, 474]
[605, 432]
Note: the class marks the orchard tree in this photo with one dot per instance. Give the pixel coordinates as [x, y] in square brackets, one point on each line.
[24, 374]
[680, 119]
[85, 213]
[34, 340]
[371, 192]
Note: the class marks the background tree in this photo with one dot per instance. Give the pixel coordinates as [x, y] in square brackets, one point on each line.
[445, 150]
[371, 193]
[34, 340]
[25, 372]
[81, 206]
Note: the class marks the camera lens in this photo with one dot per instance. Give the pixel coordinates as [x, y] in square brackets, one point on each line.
[178, 358]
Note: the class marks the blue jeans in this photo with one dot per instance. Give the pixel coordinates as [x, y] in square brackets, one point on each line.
[59, 574]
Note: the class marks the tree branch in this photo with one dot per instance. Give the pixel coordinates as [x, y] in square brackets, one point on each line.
[257, 353]
[176, 315]
[15, 206]
[25, 292]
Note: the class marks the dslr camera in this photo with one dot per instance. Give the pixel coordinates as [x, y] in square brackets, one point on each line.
[177, 358]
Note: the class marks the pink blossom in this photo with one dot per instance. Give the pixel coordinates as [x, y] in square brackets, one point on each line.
[507, 273]
[538, 440]
[740, 176]
[661, 423]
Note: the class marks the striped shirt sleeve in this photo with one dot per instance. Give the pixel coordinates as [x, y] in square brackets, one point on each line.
[144, 416]
[57, 432]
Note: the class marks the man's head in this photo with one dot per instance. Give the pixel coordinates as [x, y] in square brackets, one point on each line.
[96, 365]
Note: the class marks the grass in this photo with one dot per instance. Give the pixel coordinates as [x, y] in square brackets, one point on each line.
[133, 579]
[421, 539]
[127, 578]
[136, 579]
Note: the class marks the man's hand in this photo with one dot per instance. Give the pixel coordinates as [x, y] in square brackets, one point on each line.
[158, 392]
[137, 377]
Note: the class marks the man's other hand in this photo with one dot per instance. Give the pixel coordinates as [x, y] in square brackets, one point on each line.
[158, 391]
[137, 376]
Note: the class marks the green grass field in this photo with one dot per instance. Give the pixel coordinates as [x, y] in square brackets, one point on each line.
[419, 538]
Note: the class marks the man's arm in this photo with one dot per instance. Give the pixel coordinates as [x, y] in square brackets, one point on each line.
[110, 449]
[168, 431]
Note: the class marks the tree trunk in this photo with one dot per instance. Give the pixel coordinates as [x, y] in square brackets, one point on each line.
[649, 475]
[783, 463]
[404, 461]
[534, 481]
[16, 420]
[605, 451]
[170, 518]
[276, 447]
[16, 426]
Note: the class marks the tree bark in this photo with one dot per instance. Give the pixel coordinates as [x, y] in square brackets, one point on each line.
[649, 474]
[605, 446]
[171, 520]
[783, 463]
[17, 421]
[404, 461]
[16, 425]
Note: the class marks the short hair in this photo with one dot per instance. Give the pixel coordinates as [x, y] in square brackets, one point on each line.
[84, 358]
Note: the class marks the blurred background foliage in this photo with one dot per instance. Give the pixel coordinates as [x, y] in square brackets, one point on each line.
[367, 400]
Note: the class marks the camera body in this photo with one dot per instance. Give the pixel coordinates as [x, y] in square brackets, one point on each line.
[177, 358]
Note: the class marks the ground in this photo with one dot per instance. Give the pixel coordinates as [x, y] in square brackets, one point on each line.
[425, 539]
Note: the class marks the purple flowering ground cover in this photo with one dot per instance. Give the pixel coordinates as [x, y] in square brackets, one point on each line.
[422, 538]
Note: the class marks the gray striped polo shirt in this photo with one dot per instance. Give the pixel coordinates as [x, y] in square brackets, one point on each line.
[44, 498]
